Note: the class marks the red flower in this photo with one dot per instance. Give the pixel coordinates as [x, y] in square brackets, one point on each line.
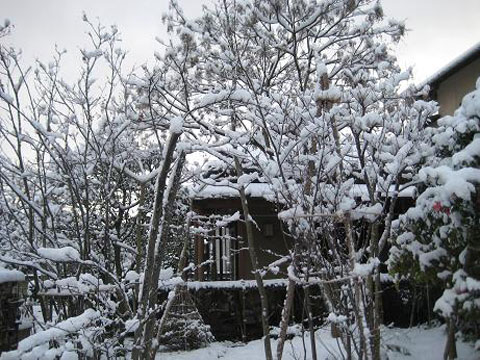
[437, 206]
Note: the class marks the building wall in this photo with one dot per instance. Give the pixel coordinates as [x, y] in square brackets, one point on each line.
[268, 247]
[452, 90]
[234, 312]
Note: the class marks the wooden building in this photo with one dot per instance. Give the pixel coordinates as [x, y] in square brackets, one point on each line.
[450, 84]
[223, 253]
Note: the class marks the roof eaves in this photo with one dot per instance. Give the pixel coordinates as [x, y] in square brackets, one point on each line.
[466, 58]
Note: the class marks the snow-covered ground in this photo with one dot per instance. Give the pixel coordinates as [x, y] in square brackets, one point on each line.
[411, 344]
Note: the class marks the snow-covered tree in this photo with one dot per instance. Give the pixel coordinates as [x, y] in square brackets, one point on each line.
[77, 163]
[309, 93]
[303, 96]
[438, 239]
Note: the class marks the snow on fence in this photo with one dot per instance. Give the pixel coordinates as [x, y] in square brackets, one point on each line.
[233, 308]
[233, 284]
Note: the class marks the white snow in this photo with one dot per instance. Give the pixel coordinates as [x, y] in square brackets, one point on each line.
[334, 318]
[166, 274]
[260, 190]
[212, 98]
[65, 254]
[361, 191]
[246, 179]
[68, 286]
[468, 154]
[414, 344]
[176, 125]
[234, 284]
[131, 325]
[331, 94]
[132, 276]
[93, 53]
[7, 275]
[364, 270]
[37, 344]
[6, 97]
[445, 304]
[227, 220]
[367, 212]
[453, 182]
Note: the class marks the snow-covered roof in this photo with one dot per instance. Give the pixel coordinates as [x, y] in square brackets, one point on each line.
[258, 190]
[461, 61]
[7, 275]
[262, 190]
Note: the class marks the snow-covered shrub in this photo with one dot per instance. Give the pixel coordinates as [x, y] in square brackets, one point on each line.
[438, 240]
[183, 326]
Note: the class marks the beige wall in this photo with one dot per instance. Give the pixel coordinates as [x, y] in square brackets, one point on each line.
[452, 90]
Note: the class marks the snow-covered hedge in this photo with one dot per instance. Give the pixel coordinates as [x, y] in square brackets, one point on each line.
[439, 239]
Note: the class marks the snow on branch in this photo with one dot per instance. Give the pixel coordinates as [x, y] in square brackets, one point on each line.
[7, 275]
[65, 254]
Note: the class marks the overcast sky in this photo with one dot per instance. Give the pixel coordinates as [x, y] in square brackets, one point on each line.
[440, 30]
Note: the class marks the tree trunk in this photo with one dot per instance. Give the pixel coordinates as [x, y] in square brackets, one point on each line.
[174, 185]
[311, 329]
[413, 309]
[450, 352]
[139, 229]
[375, 289]
[253, 258]
[357, 301]
[148, 294]
[182, 261]
[287, 308]
[378, 314]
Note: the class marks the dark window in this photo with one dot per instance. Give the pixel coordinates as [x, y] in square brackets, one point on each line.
[268, 230]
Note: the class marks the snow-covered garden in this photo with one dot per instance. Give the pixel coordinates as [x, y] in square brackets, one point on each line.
[298, 103]
[414, 343]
